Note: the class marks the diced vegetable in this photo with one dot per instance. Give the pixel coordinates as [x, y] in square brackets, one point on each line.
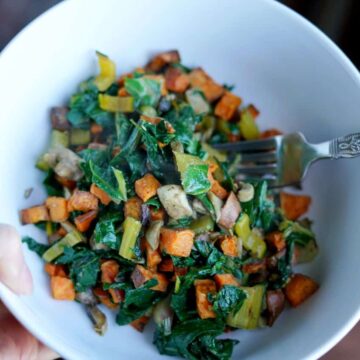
[59, 138]
[109, 270]
[110, 103]
[82, 201]
[275, 304]
[276, 240]
[227, 106]
[299, 289]
[157, 214]
[140, 276]
[217, 189]
[177, 242]
[71, 239]
[140, 323]
[57, 207]
[132, 208]
[254, 267]
[55, 270]
[306, 253]
[58, 116]
[152, 234]
[98, 319]
[294, 205]
[160, 60]
[225, 279]
[104, 198]
[131, 228]
[35, 214]
[249, 314]
[248, 127]
[62, 288]
[197, 101]
[202, 224]
[217, 204]
[173, 199]
[228, 245]
[176, 80]
[146, 187]
[79, 137]
[166, 265]
[204, 288]
[246, 192]
[104, 298]
[230, 212]
[107, 72]
[153, 258]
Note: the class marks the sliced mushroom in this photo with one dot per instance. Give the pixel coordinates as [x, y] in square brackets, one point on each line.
[246, 192]
[153, 233]
[275, 302]
[87, 298]
[217, 204]
[230, 212]
[199, 207]
[98, 319]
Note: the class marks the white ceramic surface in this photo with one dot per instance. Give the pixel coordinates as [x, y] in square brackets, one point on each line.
[297, 77]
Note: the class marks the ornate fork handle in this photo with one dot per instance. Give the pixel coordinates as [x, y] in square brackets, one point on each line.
[345, 146]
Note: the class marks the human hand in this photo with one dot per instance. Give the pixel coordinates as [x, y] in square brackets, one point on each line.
[15, 341]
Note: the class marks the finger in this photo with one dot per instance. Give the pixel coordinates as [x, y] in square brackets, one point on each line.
[14, 272]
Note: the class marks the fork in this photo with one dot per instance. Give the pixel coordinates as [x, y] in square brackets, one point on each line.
[285, 160]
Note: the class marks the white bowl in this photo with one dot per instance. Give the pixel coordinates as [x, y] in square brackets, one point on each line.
[297, 77]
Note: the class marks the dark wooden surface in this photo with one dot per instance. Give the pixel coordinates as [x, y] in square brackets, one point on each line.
[338, 18]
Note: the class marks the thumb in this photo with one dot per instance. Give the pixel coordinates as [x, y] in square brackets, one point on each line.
[14, 272]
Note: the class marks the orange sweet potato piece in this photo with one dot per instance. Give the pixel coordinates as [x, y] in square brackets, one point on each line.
[201, 80]
[146, 187]
[156, 215]
[83, 201]
[230, 212]
[117, 295]
[216, 187]
[140, 276]
[228, 245]
[34, 214]
[55, 270]
[255, 267]
[203, 305]
[225, 279]
[104, 298]
[57, 207]
[84, 221]
[96, 129]
[162, 59]
[294, 205]
[122, 92]
[100, 194]
[176, 80]
[109, 270]
[70, 184]
[299, 289]
[153, 257]
[227, 106]
[270, 133]
[140, 323]
[276, 240]
[132, 208]
[166, 265]
[62, 288]
[177, 242]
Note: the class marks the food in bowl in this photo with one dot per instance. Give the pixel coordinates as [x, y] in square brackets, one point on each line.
[145, 217]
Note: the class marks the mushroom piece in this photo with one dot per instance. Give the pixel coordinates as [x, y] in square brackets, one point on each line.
[246, 192]
[98, 319]
[87, 298]
[230, 212]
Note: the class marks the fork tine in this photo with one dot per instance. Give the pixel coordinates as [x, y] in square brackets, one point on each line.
[257, 169]
[251, 145]
[261, 156]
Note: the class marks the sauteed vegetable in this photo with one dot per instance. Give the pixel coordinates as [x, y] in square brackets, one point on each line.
[144, 217]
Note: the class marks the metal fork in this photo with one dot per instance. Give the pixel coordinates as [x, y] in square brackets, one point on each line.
[285, 160]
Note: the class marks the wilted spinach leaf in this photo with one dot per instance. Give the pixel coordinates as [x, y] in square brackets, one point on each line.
[145, 91]
[228, 300]
[33, 245]
[53, 188]
[195, 179]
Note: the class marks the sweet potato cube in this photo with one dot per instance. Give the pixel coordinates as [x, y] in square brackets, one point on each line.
[62, 288]
[132, 208]
[202, 289]
[276, 240]
[294, 205]
[163, 283]
[140, 323]
[83, 201]
[35, 214]
[228, 245]
[70, 184]
[84, 221]
[177, 242]
[230, 212]
[146, 187]
[104, 298]
[157, 214]
[299, 289]
[176, 80]
[104, 198]
[227, 106]
[153, 258]
[225, 279]
[201, 80]
[117, 295]
[162, 59]
[140, 276]
[109, 270]
[166, 265]
[255, 267]
[55, 270]
[217, 188]
[57, 207]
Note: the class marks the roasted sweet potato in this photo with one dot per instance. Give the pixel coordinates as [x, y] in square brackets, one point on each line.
[140, 275]
[270, 133]
[132, 208]
[202, 289]
[157, 214]
[158, 62]
[57, 207]
[199, 79]
[55, 270]
[34, 214]
[104, 298]
[275, 303]
[276, 240]
[166, 265]
[217, 188]
[122, 92]
[117, 295]
[146, 187]
[176, 80]
[153, 258]
[228, 245]
[227, 106]
[70, 184]
[177, 242]
[100, 194]
[109, 270]
[299, 289]
[254, 267]
[225, 279]
[83, 221]
[82, 201]
[230, 212]
[139, 324]
[62, 288]
[96, 129]
[294, 205]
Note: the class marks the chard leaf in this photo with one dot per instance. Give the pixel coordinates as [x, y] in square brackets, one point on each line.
[146, 92]
[195, 179]
[34, 246]
[229, 299]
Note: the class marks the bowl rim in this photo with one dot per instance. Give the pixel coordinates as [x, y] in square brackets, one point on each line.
[21, 313]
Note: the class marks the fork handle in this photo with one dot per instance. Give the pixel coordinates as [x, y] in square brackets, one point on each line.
[345, 147]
